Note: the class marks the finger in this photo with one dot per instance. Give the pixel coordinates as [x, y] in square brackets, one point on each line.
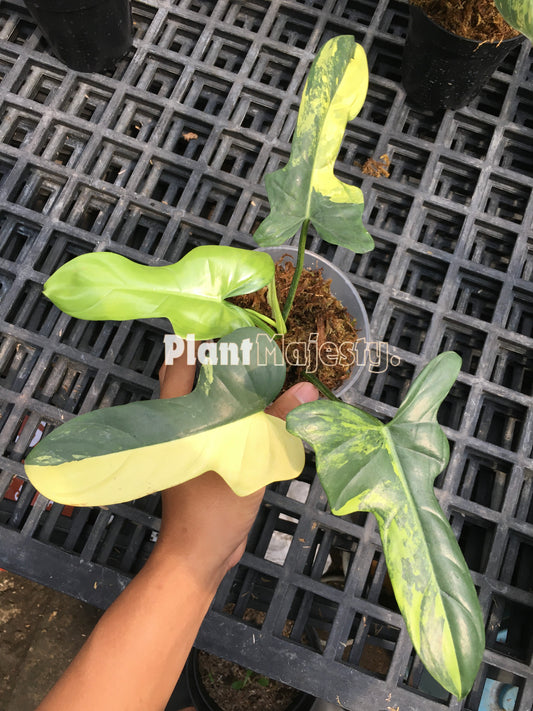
[297, 395]
[177, 379]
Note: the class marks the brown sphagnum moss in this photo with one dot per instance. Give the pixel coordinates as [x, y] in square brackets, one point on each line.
[474, 19]
[314, 311]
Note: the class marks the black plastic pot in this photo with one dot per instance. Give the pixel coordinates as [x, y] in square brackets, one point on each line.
[442, 70]
[203, 702]
[87, 35]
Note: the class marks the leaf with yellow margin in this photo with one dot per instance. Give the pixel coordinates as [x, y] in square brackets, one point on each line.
[306, 188]
[122, 453]
[365, 465]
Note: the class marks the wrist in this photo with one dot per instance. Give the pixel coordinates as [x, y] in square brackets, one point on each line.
[205, 572]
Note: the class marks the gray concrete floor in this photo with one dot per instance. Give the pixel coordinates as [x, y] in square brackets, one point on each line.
[40, 632]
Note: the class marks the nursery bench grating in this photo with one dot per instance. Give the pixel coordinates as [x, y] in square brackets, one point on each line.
[168, 152]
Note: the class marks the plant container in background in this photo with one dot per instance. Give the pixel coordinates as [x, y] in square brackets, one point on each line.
[442, 70]
[202, 701]
[87, 35]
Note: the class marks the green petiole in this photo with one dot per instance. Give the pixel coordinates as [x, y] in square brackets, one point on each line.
[262, 322]
[298, 267]
[264, 318]
[272, 298]
[321, 387]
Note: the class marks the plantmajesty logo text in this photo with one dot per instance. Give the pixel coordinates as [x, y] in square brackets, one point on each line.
[306, 354]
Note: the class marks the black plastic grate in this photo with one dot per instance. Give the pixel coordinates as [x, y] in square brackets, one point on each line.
[169, 151]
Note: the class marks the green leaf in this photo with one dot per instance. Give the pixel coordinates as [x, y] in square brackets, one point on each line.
[125, 452]
[263, 681]
[306, 187]
[192, 293]
[389, 470]
[518, 14]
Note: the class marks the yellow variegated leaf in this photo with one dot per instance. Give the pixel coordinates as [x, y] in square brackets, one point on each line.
[121, 453]
[248, 454]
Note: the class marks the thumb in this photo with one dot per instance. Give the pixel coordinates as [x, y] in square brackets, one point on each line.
[297, 395]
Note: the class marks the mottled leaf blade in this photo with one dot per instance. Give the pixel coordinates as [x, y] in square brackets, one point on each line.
[518, 14]
[389, 470]
[329, 427]
[191, 293]
[427, 393]
[430, 578]
[306, 188]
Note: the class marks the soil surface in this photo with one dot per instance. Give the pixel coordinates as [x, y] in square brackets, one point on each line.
[317, 320]
[258, 692]
[474, 19]
[220, 676]
[40, 633]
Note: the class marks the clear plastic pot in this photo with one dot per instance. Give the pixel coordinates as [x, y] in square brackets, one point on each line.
[343, 289]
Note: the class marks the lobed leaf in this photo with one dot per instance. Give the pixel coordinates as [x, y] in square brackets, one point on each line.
[389, 470]
[306, 188]
[122, 453]
[192, 293]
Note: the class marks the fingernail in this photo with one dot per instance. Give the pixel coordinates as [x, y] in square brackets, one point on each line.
[304, 392]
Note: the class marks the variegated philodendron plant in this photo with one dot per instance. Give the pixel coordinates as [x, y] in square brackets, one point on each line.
[389, 470]
[121, 453]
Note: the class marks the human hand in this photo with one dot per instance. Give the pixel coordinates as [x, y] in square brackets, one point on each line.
[139, 647]
[203, 519]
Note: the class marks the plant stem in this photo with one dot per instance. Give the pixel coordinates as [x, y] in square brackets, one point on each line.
[264, 318]
[321, 387]
[259, 322]
[297, 270]
[272, 298]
